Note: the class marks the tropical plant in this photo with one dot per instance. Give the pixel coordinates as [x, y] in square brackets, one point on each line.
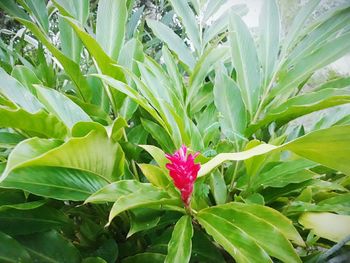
[171, 137]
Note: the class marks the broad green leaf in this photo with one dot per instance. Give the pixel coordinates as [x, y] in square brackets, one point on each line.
[154, 175]
[174, 42]
[337, 83]
[228, 101]
[180, 244]
[61, 106]
[324, 55]
[117, 129]
[94, 260]
[266, 235]
[112, 192]
[327, 225]
[269, 21]
[212, 6]
[245, 61]
[235, 241]
[12, 251]
[188, 19]
[27, 77]
[111, 21]
[39, 124]
[18, 94]
[54, 182]
[144, 257]
[94, 153]
[144, 197]
[24, 206]
[23, 222]
[306, 146]
[301, 105]
[50, 247]
[131, 27]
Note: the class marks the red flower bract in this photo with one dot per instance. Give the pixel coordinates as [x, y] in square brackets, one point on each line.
[184, 172]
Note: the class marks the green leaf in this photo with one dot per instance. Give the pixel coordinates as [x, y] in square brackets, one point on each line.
[111, 21]
[324, 55]
[18, 94]
[245, 61]
[112, 192]
[173, 71]
[269, 25]
[94, 153]
[50, 247]
[188, 19]
[11, 251]
[159, 134]
[144, 197]
[285, 173]
[228, 101]
[22, 222]
[301, 105]
[39, 124]
[157, 154]
[70, 42]
[154, 175]
[235, 241]
[27, 77]
[203, 67]
[117, 129]
[218, 187]
[298, 24]
[61, 106]
[144, 257]
[306, 146]
[9, 139]
[327, 225]
[37, 8]
[54, 182]
[143, 219]
[173, 41]
[70, 67]
[267, 236]
[11, 7]
[180, 244]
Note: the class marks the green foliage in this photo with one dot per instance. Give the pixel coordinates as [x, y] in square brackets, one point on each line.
[94, 93]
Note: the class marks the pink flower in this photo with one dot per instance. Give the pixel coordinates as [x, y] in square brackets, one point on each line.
[184, 172]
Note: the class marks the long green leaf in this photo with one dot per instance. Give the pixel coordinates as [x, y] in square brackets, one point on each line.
[180, 244]
[228, 101]
[110, 26]
[61, 106]
[183, 10]
[245, 61]
[334, 139]
[173, 41]
[301, 105]
[269, 21]
[11, 251]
